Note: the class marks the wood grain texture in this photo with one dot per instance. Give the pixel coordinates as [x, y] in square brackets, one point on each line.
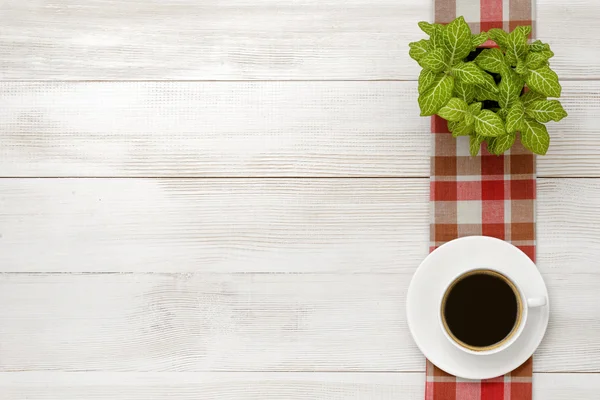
[213, 225]
[571, 29]
[212, 129]
[246, 39]
[258, 225]
[257, 386]
[207, 39]
[246, 129]
[249, 322]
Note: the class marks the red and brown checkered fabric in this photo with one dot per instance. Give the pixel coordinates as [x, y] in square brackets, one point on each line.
[484, 195]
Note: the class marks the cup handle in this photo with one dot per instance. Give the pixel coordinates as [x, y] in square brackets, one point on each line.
[536, 302]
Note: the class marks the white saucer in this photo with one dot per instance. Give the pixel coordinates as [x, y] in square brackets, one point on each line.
[436, 272]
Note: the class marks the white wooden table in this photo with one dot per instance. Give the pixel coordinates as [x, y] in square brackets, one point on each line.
[234, 195]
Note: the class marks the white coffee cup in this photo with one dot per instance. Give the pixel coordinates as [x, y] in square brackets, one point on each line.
[524, 303]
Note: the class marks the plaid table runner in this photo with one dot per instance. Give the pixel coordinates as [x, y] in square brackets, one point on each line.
[484, 195]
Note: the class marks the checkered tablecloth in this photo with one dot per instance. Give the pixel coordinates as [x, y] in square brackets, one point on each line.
[484, 195]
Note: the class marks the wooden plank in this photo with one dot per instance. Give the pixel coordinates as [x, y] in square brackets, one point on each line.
[246, 39]
[207, 39]
[246, 129]
[571, 28]
[213, 225]
[212, 129]
[249, 322]
[257, 386]
[258, 225]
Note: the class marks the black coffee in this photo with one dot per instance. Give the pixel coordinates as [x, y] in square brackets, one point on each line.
[481, 310]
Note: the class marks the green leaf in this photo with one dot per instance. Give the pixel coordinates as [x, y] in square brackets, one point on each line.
[457, 40]
[482, 94]
[514, 117]
[531, 96]
[454, 110]
[534, 136]
[437, 95]
[524, 30]
[475, 108]
[491, 60]
[479, 39]
[521, 68]
[547, 53]
[538, 45]
[434, 60]
[464, 91]
[437, 36]
[502, 113]
[544, 81]
[536, 60]
[546, 110]
[500, 144]
[419, 49]
[426, 79]
[462, 129]
[475, 144]
[516, 46]
[470, 73]
[499, 36]
[488, 124]
[469, 119]
[509, 89]
[489, 84]
[426, 27]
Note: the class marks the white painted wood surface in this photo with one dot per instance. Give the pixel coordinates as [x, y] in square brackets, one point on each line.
[257, 386]
[247, 129]
[228, 285]
[249, 39]
[249, 322]
[258, 225]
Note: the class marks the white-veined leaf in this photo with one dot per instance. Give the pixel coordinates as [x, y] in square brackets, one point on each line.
[488, 124]
[457, 40]
[462, 128]
[419, 49]
[531, 96]
[470, 73]
[426, 27]
[538, 45]
[534, 136]
[426, 79]
[434, 60]
[525, 30]
[475, 108]
[514, 117]
[479, 39]
[464, 91]
[482, 94]
[521, 68]
[509, 89]
[437, 36]
[500, 144]
[546, 110]
[437, 95]
[491, 60]
[545, 81]
[454, 110]
[475, 144]
[469, 119]
[516, 46]
[536, 60]
[499, 36]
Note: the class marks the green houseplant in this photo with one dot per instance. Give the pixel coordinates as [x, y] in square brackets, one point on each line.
[489, 94]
